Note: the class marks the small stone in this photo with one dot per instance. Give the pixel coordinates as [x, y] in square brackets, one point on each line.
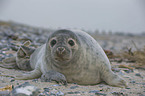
[76, 92]
[25, 89]
[46, 89]
[59, 93]
[101, 86]
[4, 93]
[3, 46]
[41, 94]
[35, 80]
[74, 87]
[138, 74]
[10, 55]
[132, 81]
[12, 80]
[127, 70]
[140, 94]
[121, 73]
[117, 93]
[53, 92]
[93, 91]
[56, 85]
[127, 88]
[102, 94]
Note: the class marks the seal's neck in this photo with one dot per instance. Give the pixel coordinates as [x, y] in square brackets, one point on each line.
[67, 68]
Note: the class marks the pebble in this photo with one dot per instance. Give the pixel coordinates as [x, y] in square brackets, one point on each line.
[100, 94]
[59, 93]
[138, 74]
[4, 93]
[121, 73]
[56, 85]
[35, 80]
[101, 86]
[128, 70]
[2, 46]
[74, 87]
[26, 89]
[118, 94]
[46, 89]
[56, 93]
[132, 81]
[94, 91]
[12, 80]
[127, 88]
[76, 92]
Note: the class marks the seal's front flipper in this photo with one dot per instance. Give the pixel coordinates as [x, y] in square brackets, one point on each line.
[54, 76]
[9, 63]
[32, 75]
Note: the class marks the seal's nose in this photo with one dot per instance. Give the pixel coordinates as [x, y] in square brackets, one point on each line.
[60, 50]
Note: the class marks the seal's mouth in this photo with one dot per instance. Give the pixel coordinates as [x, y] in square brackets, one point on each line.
[61, 59]
[62, 54]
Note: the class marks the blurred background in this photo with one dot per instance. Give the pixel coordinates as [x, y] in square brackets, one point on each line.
[126, 16]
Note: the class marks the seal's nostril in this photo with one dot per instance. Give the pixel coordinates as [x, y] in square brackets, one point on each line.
[60, 49]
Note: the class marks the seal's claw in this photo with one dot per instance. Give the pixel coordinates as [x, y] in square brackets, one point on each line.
[54, 76]
[121, 83]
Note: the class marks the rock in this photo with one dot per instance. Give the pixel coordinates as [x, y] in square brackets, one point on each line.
[76, 92]
[121, 72]
[141, 94]
[2, 46]
[138, 74]
[100, 94]
[35, 80]
[4, 93]
[74, 87]
[127, 88]
[143, 84]
[56, 85]
[119, 94]
[94, 91]
[101, 86]
[12, 80]
[128, 70]
[45, 92]
[59, 93]
[56, 93]
[132, 81]
[25, 89]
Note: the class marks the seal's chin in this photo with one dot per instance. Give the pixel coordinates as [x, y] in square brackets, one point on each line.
[62, 58]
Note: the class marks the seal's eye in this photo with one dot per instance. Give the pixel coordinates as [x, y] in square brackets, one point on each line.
[53, 42]
[71, 42]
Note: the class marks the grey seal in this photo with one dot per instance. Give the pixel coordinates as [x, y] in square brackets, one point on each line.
[72, 56]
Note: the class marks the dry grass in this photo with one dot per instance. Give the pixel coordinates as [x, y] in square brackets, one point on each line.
[137, 56]
[134, 58]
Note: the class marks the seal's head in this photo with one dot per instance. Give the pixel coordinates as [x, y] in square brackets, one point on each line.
[62, 45]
